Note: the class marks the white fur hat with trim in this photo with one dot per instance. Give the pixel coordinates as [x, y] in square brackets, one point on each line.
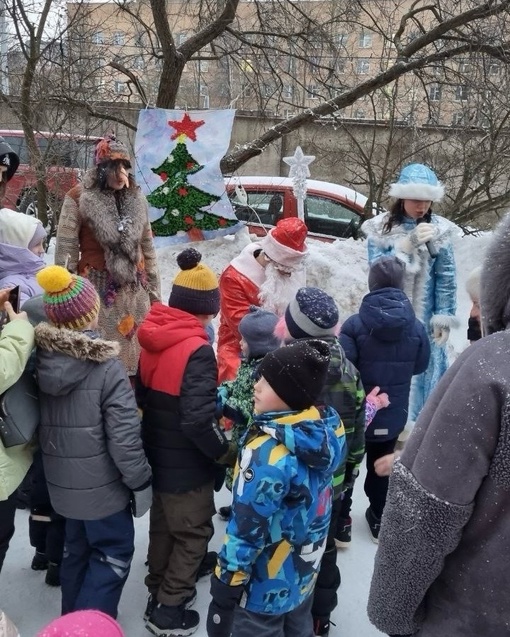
[417, 181]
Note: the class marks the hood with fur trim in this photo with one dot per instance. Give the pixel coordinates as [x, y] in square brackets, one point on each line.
[65, 357]
[495, 281]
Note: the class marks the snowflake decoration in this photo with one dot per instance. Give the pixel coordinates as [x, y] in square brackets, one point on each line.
[299, 171]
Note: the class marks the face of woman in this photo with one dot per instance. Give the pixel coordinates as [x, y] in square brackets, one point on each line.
[117, 177]
[415, 208]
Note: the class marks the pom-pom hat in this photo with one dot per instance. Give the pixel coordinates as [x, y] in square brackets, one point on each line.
[297, 372]
[285, 243]
[257, 329]
[111, 149]
[417, 181]
[195, 288]
[69, 300]
[311, 312]
[85, 623]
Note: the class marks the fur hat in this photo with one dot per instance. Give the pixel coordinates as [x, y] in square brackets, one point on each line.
[386, 272]
[257, 329]
[311, 312]
[285, 243]
[85, 623]
[473, 284]
[8, 158]
[195, 289]
[17, 229]
[110, 149]
[69, 300]
[417, 181]
[297, 372]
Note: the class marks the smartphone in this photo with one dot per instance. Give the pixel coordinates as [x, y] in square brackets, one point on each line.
[14, 301]
[14, 298]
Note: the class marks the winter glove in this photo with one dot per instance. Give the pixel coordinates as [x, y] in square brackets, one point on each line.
[220, 617]
[219, 476]
[419, 236]
[441, 335]
[378, 398]
[141, 500]
[230, 456]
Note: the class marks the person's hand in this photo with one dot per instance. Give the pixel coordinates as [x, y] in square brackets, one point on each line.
[384, 465]
[220, 616]
[441, 335]
[4, 296]
[422, 233]
[378, 398]
[141, 500]
[12, 314]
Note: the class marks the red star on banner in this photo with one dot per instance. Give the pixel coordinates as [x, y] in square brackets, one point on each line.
[186, 126]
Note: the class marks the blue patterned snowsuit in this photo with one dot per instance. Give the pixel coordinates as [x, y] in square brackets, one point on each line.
[430, 285]
[281, 509]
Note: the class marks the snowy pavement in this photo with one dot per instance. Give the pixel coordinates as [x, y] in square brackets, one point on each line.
[31, 604]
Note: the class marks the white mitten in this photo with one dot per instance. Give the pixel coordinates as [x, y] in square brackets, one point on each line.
[441, 335]
[422, 233]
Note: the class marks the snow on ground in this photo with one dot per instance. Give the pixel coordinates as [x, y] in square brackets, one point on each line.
[341, 269]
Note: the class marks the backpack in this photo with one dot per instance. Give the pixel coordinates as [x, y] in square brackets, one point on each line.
[19, 411]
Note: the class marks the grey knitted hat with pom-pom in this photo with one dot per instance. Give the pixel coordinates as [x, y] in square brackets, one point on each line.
[195, 288]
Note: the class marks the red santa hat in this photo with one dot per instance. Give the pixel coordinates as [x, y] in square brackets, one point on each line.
[285, 244]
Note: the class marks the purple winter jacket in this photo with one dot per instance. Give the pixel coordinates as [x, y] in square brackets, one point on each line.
[18, 266]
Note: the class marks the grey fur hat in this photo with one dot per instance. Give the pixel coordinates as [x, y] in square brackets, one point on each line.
[495, 281]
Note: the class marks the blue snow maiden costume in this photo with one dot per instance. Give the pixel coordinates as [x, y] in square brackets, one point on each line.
[430, 282]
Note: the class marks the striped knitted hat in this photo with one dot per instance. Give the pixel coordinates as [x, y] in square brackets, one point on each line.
[195, 288]
[69, 300]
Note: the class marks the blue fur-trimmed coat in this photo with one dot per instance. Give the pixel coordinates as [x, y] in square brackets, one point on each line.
[281, 508]
[430, 285]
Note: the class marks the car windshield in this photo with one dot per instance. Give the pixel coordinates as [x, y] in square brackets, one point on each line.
[70, 153]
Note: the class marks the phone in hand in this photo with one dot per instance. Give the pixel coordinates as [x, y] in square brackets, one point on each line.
[14, 301]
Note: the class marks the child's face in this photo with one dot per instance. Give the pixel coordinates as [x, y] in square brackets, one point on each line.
[266, 399]
[244, 347]
[39, 248]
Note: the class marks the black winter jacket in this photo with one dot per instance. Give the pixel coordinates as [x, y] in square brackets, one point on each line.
[176, 388]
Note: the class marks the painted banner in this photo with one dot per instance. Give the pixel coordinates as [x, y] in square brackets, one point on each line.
[178, 156]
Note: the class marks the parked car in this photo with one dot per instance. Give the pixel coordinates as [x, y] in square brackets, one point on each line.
[331, 211]
[65, 156]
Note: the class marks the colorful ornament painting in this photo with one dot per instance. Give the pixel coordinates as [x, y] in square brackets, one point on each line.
[178, 157]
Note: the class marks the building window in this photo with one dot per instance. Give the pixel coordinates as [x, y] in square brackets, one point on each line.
[359, 114]
[314, 59]
[288, 91]
[494, 68]
[268, 90]
[287, 113]
[362, 66]
[435, 92]
[140, 40]
[461, 93]
[464, 66]
[365, 40]
[340, 39]
[118, 38]
[120, 87]
[312, 92]
[181, 38]
[457, 119]
[340, 65]
[98, 37]
[138, 62]
[292, 65]
[246, 90]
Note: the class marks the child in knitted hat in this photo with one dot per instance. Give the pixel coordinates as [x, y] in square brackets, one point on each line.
[236, 396]
[22, 240]
[90, 440]
[176, 388]
[83, 623]
[313, 313]
[282, 500]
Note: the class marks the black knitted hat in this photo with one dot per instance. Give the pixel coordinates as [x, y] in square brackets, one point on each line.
[297, 372]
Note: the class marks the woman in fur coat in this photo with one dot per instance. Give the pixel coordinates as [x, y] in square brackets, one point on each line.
[422, 240]
[104, 234]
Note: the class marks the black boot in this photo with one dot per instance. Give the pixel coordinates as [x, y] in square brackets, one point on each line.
[167, 621]
[374, 523]
[208, 564]
[53, 574]
[39, 562]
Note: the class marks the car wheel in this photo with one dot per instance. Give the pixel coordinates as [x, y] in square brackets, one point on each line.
[28, 206]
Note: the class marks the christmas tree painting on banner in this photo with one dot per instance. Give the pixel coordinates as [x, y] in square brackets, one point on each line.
[178, 157]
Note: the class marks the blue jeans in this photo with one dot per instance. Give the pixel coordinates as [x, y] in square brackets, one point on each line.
[97, 559]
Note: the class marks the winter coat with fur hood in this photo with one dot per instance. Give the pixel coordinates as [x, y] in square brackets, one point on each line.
[430, 285]
[116, 252]
[90, 429]
[443, 561]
